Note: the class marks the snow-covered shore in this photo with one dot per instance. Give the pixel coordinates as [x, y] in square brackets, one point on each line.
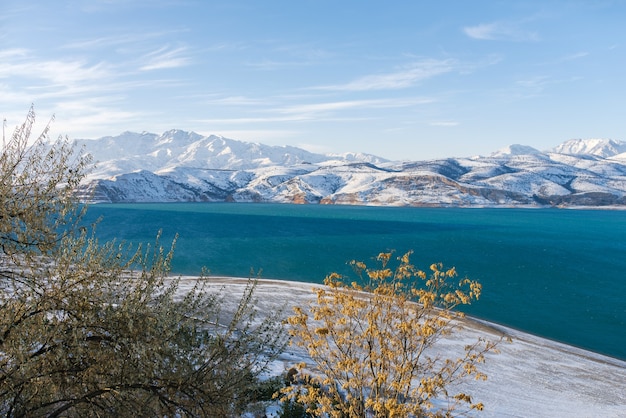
[531, 377]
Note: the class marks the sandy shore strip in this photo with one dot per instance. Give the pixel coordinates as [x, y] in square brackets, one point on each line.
[531, 377]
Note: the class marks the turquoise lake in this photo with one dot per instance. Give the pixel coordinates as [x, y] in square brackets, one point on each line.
[556, 273]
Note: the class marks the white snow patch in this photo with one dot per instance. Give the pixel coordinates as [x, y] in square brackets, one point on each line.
[531, 377]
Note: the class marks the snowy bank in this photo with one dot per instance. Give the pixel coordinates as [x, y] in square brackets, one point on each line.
[531, 377]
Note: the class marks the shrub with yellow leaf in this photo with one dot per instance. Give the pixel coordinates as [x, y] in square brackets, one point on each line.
[374, 344]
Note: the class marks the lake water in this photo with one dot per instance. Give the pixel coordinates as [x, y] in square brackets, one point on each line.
[556, 273]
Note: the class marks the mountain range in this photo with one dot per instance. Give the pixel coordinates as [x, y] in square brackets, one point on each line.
[179, 166]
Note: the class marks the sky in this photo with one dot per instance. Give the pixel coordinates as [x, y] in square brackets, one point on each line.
[403, 80]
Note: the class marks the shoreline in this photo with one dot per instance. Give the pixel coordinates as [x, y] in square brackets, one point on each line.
[475, 323]
[416, 206]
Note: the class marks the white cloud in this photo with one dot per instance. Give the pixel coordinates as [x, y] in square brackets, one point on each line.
[252, 120]
[12, 53]
[236, 101]
[404, 78]
[317, 108]
[575, 56]
[444, 123]
[93, 122]
[71, 73]
[31, 76]
[500, 31]
[98, 6]
[269, 65]
[165, 57]
[326, 111]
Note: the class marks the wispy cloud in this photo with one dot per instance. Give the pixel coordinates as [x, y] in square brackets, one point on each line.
[500, 31]
[129, 42]
[92, 117]
[324, 111]
[87, 97]
[318, 108]
[575, 56]
[444, 123]
[533, 87]
[405, 77]
[58, 77]
[165, 57]
[251, 120]
[540, 82]
[79, 118]
[12, 53]
[287, 55]
[236, 101]
[95, 6]
[275, 65]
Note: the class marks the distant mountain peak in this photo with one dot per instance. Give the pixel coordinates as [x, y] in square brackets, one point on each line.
[177, 135]
[601, 147]
[515, 149]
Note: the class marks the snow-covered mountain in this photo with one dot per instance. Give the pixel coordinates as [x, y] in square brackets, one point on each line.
[185, 166]
[131, 152]
[515, 149]
[600, 147]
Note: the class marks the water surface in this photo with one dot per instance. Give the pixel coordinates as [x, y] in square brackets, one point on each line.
[556, 273]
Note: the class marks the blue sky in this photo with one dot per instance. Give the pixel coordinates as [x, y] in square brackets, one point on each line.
[399, 79]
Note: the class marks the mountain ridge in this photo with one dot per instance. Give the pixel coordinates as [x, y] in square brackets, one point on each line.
[595, 146]
[180, 166]
[177, 148]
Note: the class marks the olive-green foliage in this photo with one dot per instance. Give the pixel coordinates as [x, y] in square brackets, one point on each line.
[100, 329]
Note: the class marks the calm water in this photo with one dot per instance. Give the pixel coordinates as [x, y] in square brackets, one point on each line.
[556, 273]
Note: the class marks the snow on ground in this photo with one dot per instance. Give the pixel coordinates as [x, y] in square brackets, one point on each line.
[531, 377]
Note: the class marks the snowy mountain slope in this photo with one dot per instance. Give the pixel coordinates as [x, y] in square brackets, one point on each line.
[181, 166]
[515, 149]
[599, 147]
[175, 148]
